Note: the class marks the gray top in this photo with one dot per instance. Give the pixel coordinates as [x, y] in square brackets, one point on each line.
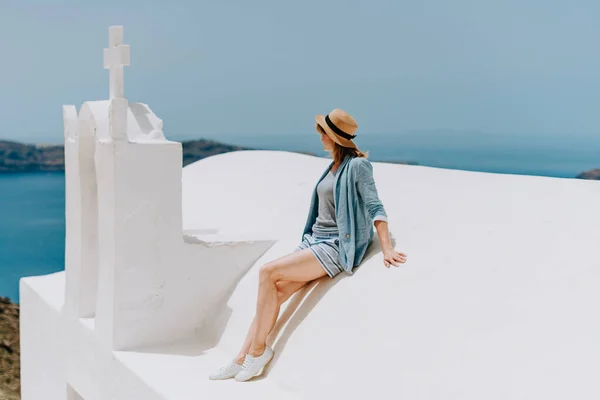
[325, 222]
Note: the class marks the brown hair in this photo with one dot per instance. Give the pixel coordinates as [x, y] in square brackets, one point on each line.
[340, 152]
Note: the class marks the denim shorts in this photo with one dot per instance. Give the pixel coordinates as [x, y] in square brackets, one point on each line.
[326, 250]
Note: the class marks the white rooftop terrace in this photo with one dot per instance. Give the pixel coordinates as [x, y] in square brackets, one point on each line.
[497, 300]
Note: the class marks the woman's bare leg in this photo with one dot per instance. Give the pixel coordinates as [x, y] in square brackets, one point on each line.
[285, 290]
[300, 266]
[239, 359]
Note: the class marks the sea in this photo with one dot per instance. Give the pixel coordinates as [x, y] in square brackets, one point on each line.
[32, 233]
[32, 205]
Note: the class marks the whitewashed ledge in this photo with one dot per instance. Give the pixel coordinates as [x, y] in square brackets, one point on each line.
[212, 238]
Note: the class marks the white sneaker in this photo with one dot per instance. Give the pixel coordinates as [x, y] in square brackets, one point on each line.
[253, 365]
[226, 372]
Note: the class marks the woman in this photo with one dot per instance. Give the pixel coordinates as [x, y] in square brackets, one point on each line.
[347, 185]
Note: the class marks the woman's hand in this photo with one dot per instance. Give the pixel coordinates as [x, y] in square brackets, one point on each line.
[393, 257]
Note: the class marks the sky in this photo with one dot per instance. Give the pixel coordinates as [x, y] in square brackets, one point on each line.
[227, 67]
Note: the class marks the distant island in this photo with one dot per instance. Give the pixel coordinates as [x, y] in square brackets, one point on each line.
[593, 174]
[21, 157]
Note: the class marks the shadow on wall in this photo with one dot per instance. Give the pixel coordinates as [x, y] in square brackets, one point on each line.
[309, 296]
[298, 308]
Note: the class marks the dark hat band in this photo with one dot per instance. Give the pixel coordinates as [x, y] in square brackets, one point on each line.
[338, 130]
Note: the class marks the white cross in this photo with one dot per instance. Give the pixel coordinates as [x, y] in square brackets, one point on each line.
[115, 57]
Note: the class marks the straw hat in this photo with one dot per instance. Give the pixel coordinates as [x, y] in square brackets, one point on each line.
[339, 126]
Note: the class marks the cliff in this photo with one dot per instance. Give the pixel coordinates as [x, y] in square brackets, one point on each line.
[9, 350]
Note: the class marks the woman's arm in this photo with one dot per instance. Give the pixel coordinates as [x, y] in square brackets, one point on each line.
[368, 191]
[384, 235]
[390, 256]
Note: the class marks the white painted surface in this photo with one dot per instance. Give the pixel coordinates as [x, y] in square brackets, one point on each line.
[499, 292]
[42, 352]
[251, 191]
[496, 301]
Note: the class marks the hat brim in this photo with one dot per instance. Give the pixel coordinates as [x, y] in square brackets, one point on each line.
[320, 119]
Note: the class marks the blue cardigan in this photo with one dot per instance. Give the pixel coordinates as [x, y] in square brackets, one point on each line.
[357, 206]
